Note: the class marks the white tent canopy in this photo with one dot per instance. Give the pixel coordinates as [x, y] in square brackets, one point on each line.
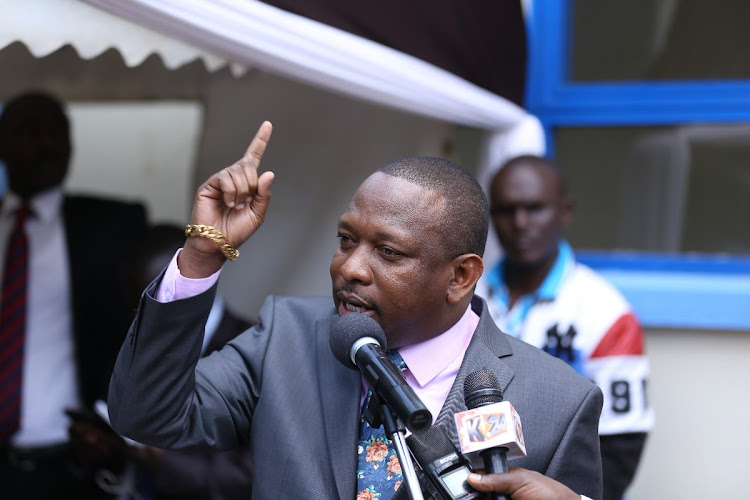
[45, 26]
[248, 33]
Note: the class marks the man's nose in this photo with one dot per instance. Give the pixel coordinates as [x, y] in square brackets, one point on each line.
[520, 217]
[356, 266]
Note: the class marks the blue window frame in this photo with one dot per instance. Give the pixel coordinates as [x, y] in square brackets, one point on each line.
[673, 291]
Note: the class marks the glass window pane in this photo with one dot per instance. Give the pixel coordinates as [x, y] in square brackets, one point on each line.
[665, 189]
[659, 40]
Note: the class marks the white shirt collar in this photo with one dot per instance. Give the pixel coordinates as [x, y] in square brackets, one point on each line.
[45, 205]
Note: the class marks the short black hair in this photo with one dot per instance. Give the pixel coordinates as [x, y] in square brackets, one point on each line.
[537, 161]
[465, 217]
[32, 97]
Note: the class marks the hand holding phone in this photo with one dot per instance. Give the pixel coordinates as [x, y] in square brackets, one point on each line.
[94, 441]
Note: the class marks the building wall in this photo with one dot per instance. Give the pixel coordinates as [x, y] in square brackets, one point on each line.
[698, 448]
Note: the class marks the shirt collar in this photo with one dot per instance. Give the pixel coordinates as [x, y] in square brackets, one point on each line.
[428, 359]
[564, 262]
[549, 288]
[45, 206]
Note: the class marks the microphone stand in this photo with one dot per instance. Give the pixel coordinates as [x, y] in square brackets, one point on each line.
[395, 430]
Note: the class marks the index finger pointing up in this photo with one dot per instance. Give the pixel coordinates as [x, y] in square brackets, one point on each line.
[258, 145]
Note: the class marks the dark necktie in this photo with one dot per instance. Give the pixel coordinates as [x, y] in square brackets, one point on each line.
[378, 468]
[13, 326]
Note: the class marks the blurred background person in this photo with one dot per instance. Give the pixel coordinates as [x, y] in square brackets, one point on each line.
[136, 471]
[61, 320]
[539, 293]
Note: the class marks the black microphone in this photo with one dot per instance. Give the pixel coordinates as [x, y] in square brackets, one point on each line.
[358, 342]
[443, 467]
[481, 388]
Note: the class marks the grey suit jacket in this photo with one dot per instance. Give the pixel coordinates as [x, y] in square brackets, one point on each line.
[279, 386]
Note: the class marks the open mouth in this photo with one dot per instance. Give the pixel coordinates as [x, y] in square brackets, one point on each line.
[351, 304]
[354, 308]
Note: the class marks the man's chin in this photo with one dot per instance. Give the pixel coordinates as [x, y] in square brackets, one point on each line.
[46, 176]
[525, 259]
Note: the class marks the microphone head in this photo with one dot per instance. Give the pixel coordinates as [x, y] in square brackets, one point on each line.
[481, 388]
[348, 329]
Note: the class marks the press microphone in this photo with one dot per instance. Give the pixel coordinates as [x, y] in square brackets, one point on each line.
[443, 468]
[490, 430]
[358, 342]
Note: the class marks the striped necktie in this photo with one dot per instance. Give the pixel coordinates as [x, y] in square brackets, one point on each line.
[378, 468]
[13, 325]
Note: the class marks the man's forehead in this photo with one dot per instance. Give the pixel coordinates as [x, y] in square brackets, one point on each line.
[393, 205]
[526, 180]
[386, 194]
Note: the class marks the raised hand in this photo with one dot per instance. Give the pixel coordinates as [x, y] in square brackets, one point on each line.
[234, 201]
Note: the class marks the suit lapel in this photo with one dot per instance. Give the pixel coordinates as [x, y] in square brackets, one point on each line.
[487, 348]
[340, 391]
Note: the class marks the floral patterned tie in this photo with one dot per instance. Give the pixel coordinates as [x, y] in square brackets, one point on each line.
[378, 468]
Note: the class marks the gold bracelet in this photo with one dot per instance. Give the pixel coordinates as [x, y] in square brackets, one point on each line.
[213, 234]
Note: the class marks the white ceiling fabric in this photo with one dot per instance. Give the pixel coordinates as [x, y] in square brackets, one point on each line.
[245, 33]
[45, 26]
[254, 33]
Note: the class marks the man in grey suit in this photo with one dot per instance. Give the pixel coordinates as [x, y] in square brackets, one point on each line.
[409, 256]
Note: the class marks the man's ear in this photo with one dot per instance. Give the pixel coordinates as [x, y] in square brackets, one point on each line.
[467, 269]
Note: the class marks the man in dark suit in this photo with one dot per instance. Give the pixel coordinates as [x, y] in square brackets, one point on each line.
[74, 315]
[409, 257]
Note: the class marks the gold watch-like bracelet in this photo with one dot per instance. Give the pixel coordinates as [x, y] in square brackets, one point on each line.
[213, 234]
